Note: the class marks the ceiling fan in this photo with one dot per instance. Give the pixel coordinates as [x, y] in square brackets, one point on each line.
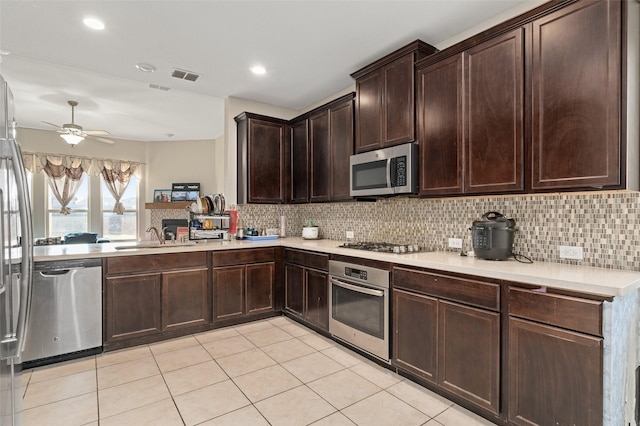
[73, 133]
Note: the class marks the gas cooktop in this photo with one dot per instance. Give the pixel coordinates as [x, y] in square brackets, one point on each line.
[384, 247]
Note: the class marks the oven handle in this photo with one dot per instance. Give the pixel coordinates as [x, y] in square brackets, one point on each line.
[357, 288]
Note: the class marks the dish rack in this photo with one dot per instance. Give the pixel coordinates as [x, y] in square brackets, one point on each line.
[208, 227]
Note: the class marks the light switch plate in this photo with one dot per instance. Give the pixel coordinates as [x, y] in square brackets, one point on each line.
[455, 242]
[571, 252]
[350, 235]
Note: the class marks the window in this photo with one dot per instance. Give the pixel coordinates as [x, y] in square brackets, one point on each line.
[120, 227]
[78, 221]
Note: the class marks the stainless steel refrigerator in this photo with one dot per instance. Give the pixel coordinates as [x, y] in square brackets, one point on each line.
[16, 261]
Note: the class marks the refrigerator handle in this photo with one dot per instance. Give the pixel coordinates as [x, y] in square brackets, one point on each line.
[26, 241]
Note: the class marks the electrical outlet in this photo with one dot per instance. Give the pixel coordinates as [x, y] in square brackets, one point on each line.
[350, 235]
[571, 252]
[455, 242]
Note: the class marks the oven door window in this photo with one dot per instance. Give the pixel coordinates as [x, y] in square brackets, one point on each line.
[364, 312]
[370, 175]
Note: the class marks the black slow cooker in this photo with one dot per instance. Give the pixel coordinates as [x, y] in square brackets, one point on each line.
[492, 236]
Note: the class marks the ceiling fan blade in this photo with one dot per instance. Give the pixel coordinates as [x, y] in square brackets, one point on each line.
[97, 132]
[103, 140]
[51, 124]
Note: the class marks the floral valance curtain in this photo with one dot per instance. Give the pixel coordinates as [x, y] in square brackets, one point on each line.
[116, 175]
[65, 174]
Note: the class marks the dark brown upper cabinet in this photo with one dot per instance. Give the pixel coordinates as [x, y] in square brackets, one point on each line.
[531, 105]
[385, 98]
[330, 146]
[576, 88]
[263, 159]
[439, 92]
[470, 119]
[299, 129]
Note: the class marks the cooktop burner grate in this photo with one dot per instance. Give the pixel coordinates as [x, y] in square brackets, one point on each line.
[384, 247]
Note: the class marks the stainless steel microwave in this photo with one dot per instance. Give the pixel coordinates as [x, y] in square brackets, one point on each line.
[387, 171]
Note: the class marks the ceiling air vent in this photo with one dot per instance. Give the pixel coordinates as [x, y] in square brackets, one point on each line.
[158, 87]
[185, 75]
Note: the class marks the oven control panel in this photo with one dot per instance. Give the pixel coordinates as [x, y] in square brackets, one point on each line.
[355, 273]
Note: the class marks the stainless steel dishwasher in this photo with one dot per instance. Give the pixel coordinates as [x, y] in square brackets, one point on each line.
[66, 309]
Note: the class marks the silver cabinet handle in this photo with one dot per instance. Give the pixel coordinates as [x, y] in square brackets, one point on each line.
[356, 288]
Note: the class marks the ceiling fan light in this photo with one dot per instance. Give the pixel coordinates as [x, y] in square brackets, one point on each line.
[72, 139]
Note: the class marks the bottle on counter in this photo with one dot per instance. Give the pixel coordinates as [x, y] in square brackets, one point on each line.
[283, 226]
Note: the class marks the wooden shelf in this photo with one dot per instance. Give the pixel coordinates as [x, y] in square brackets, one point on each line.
[176, 205]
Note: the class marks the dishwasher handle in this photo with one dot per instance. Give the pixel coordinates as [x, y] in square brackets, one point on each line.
[55, 272]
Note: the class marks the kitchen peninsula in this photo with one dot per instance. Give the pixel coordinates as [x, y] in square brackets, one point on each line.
[589, 314]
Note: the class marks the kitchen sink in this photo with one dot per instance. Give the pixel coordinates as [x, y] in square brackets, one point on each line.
[154, 244]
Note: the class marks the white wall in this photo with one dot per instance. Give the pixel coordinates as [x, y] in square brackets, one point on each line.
[498, 19]
[183, 161]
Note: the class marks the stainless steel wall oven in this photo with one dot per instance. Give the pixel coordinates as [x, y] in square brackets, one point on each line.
[359, 307]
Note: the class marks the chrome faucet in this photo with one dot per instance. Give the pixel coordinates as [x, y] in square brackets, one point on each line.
[159, 235]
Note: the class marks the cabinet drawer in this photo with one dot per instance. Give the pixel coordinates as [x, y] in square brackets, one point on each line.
[470, 292]
[308, 259]
[155, 262]
[242, 257]
[563, 311]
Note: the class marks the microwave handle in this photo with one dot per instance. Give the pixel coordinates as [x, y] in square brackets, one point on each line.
[391, 170]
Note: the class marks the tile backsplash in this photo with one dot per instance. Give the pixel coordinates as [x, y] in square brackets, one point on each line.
[605, 224]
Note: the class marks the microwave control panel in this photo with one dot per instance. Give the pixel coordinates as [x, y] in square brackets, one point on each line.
[399, 171]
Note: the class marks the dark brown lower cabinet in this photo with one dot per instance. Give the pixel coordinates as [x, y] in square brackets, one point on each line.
[555, 375]
[185, 298]
[317, 298]
[415, 323]
[453, 345]
[307, 286]
[148, 296]
[469, 353]
[228, 292]
[245, 287]
[555, 367]
[133, 306]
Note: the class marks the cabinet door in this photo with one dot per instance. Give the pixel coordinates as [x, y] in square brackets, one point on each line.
[469, 354]
[133, 306]
[299, 162]
[341, 138]
[493, 115]
[319, 141]
[398, 99]
[369, 111]
[294, 289]
[266, 162]
[415, 333]
[260, 280]
[228, 292]
[185, 298]
[555, 376]
[317, 298]
[439, 95]
[576, 72]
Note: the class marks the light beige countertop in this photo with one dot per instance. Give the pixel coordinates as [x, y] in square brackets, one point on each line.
[585, 279]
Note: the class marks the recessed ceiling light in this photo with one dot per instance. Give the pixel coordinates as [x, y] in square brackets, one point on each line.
[144, 67]
[94, 23]
[258, 70]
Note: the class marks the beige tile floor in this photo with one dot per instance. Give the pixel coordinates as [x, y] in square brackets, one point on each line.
[271, 372]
